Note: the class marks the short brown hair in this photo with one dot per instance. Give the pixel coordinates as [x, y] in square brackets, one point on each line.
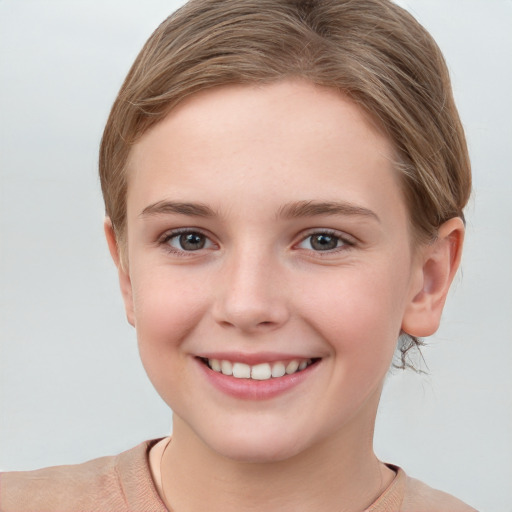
[372, 50]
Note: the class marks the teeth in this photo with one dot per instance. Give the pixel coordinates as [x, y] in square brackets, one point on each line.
[278, 370]
[241, 371]
[226, 368]
[262, 371]
[215, 365]
[292, 366]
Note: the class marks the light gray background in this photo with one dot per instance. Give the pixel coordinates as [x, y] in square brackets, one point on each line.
[72, 387]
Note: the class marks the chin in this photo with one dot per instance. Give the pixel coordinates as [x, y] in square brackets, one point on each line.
[257, 448]
[258, 454]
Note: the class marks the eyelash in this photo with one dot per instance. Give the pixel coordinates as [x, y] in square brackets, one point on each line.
[168, 236]
[345, 241]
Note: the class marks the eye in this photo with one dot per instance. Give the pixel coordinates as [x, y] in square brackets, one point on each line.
[187, 241]
[323, 241]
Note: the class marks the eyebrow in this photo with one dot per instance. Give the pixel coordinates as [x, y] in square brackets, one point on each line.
[291, 210]
[315, 208]
[170, 207]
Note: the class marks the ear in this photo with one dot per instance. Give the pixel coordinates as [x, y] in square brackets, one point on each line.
[435, 269]
[122, 270]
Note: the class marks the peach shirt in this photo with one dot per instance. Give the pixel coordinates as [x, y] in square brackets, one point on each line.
[123, 483]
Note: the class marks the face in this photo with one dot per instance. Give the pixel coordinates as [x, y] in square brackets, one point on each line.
[269, 266]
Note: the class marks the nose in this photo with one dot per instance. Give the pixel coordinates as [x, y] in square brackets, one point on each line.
[252, 294]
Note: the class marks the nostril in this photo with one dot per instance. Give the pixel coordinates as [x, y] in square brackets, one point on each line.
[248, 312]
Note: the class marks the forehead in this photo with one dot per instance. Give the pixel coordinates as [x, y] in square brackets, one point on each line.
[246, 145]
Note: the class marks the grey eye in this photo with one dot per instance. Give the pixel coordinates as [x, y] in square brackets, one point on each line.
[321, 242]
[189, 241]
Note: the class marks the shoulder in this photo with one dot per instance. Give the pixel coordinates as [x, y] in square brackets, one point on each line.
[419, 497]
[110, 482]
[56, 487]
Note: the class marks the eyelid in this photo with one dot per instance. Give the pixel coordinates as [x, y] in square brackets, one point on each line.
[347, 240]
[163, 240]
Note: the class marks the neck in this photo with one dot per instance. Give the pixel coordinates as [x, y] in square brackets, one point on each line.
[340, 474]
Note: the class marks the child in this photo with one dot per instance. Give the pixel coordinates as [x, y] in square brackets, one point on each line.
[284, 184]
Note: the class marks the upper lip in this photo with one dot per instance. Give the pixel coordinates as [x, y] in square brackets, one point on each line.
[253, 359]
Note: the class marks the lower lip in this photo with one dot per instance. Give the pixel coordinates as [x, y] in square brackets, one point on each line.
[250, 389]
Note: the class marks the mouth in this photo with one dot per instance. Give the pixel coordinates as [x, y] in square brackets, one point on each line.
[258, 372]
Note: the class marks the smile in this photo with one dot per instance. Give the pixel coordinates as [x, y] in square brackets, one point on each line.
[261, 371]
[257, 376]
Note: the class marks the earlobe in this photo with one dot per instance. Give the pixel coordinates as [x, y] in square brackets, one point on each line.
[122, 270]
[435, 271]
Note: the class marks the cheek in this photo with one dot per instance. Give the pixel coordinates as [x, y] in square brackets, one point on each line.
[167, 307]
[362, 313]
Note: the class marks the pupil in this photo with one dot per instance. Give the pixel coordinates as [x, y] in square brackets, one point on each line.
[192, 241]
[324, 242]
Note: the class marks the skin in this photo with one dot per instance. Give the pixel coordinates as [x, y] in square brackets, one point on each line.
[260, 285]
